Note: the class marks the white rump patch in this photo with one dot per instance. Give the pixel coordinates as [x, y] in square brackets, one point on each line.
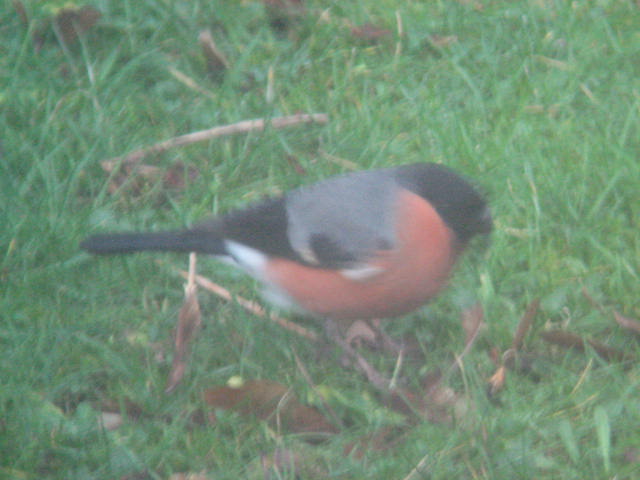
[249, 259]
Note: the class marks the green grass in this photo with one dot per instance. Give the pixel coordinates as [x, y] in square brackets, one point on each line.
[539, 102]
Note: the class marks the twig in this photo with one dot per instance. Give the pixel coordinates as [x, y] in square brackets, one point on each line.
[245, 126]
[191, 283]
[250, 306]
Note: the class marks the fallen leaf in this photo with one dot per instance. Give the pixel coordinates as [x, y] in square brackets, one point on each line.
[189, 321]
[497, 381]
[495, 356]
[626, 322]
[178, 175]
[369, 32]
[525, 324]
[134, 178]
[272, 401]
[571, 340]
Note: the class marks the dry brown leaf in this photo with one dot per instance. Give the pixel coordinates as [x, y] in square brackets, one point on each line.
[525, 324]
[495, 356]
[626, 322]
[369, 32]
[137, 177]
[509, 360]
[134, 178]
[571, 340]
[73, 21]
[178, 175]
[269, 400]
[189, 321]
[497, 381]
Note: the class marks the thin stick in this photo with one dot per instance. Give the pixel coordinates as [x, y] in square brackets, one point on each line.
[192, 271]
[250, 306]
[245, 126]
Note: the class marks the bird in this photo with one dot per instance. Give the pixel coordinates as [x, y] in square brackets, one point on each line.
[363, 245]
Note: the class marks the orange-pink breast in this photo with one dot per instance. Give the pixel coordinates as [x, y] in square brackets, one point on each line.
[411, 274]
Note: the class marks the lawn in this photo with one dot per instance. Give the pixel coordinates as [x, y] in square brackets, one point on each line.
[537, 102]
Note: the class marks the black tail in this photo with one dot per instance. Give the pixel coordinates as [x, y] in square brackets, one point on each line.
[178, 241]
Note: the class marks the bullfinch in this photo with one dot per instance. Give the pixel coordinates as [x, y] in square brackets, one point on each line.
[363, 245]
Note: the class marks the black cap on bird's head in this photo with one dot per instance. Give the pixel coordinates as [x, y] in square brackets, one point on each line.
[459, 204]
